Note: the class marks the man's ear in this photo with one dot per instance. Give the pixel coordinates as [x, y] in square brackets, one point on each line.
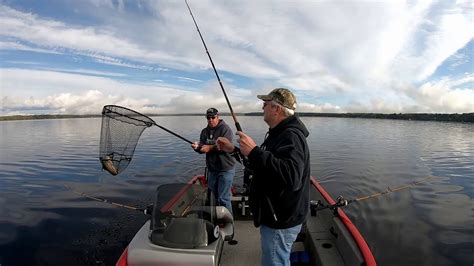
[278, 108]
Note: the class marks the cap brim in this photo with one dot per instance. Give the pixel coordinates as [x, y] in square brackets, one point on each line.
[265, 97]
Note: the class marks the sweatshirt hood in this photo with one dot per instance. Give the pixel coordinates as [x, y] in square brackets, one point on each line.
[291, 122]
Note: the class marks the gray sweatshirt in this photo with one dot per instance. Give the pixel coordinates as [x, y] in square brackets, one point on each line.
[217, 160]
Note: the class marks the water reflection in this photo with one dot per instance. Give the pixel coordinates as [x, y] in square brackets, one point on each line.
[41, 222]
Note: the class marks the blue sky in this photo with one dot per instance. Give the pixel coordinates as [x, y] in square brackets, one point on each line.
[73, 57]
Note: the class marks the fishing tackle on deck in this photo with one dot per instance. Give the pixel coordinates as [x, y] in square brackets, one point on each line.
[121, 129]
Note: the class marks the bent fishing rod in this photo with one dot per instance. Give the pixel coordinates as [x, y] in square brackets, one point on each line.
[341, 202]
[237, 124]
[236, 153]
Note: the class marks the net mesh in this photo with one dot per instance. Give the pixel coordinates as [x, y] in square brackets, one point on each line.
[121, 129]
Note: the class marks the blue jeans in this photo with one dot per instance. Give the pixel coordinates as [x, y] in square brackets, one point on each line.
[276, 244]
[220, 184]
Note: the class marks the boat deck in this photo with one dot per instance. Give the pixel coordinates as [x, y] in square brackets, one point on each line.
[324, 240]
[247, 250]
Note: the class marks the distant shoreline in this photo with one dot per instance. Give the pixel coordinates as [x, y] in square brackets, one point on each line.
[465, 117]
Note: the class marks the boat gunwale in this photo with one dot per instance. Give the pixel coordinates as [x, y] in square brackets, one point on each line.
[358, 238]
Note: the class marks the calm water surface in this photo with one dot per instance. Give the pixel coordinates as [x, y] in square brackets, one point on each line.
[43, 223]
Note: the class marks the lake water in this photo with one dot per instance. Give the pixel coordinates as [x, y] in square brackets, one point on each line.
[43, 223]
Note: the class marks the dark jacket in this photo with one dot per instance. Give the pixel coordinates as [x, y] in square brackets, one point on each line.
[217, 160]
[281, 178]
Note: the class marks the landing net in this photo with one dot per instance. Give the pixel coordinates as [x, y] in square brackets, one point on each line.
[121, 129]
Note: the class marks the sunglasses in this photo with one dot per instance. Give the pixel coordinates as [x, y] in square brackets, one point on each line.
[265, 103]
[210, 117]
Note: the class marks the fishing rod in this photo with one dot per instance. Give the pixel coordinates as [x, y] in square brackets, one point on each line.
[236, 153]
[147, 210]
[237, 124]
[341, 202]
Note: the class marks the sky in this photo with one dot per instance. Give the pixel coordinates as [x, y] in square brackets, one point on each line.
[74, 57]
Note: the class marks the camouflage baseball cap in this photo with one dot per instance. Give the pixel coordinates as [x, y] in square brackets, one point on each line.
[281, 96]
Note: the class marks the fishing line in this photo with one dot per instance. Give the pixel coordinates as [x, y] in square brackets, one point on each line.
[237, 124]
[82, 194]
[236, 153]
[392, 190]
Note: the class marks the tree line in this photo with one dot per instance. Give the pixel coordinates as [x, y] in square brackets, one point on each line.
[464, 117]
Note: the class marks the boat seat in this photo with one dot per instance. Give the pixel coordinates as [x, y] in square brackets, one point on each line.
[224, 219]
[185, 232]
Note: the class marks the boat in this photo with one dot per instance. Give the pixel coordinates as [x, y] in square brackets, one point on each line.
[187, 228]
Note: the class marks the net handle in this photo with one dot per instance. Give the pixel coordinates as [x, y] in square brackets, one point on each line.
[172, 133]
[147, 123]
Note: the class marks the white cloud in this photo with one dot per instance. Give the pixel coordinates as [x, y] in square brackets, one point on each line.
[90, 93]
[46, 90]
[8, 45]
[52, 35]
[364, 56]
[84, 71]
[450, 36]
[443, 96]
[189, 79]
[321, 108]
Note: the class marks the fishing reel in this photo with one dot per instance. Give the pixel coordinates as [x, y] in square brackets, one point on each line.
[340, 202]
[148, 210]
[316, 206]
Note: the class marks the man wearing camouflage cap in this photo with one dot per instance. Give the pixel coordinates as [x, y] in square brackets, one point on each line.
[279, 190]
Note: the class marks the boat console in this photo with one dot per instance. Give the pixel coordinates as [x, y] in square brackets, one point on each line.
[186, 228]
[181, 218]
